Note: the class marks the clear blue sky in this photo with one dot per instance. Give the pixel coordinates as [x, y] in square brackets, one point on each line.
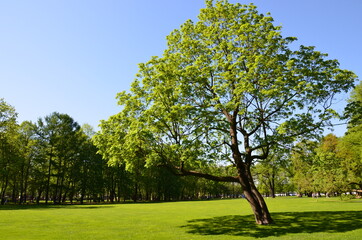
[74, 56]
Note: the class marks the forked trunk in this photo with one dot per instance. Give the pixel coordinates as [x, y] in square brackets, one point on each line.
[243, 163]
[255, 199]
[260, 209]
[272, 186]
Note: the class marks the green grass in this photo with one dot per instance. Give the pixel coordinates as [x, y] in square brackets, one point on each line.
[296, 218]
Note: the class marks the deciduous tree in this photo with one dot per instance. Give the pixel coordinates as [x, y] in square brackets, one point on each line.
[227, 88]
[8, 146]
[350, 146]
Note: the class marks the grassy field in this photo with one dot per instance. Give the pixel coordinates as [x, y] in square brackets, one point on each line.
[296, 218]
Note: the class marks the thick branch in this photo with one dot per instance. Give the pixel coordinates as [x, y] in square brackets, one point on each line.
[180, 171]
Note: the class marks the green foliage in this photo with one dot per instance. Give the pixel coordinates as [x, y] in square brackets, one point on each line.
[59, 137]
[353, 110]
[329, 176]
[225, 91]
[350, 146]
[56, 159]
[302, 158]
[231, 68]
[9, 147]
[274, 174]
[350, 150]
[331, 166]
[50, 159]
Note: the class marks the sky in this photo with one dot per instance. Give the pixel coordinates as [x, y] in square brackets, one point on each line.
[74, 56]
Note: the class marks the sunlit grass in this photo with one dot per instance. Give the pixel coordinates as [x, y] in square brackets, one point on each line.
[295, 218]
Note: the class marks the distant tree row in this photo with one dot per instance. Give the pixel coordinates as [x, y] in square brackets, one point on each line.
[55, 161]
[330, 166]
[51, 160]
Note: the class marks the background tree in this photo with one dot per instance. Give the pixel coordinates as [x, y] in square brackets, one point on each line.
[89, 170]
[302, 157]
[329, 176]
[9, 154]
[350, 146]
[353, 110]
[329, 166]
[58, 136]
[227, 81]
[273, 175]
[28, 157]
[350, 153]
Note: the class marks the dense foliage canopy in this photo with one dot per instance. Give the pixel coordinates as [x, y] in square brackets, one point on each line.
[226, 90]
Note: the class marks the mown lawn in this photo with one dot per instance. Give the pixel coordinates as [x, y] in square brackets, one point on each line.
[296, 218]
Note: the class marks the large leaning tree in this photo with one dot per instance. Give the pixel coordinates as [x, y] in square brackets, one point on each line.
[227, 88]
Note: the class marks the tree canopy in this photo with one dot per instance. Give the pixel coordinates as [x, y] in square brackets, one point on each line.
[351, 144]
[226, 89]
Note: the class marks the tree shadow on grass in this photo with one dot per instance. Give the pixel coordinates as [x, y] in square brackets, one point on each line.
[285, 223]
[51, 206]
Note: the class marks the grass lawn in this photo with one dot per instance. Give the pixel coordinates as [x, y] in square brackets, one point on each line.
[296, 218]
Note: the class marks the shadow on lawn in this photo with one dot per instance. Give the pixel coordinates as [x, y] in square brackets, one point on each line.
[52, 206]
[285, 223]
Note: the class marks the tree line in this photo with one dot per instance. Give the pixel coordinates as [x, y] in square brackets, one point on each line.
[331, 166]
[328, 166]
[55, 161]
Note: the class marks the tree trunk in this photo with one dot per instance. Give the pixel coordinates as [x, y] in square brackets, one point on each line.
[15, 194]
[243, 163]
[3, 191]
[25, 196]
[135, 193]
[255, 199]
[48, 178]
[64, 197]
[272, 186]
[82, 198]
[39, 196]
[21, 184]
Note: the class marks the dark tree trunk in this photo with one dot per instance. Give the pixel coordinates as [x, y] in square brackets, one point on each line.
[21, 185]
[3, 191]
[25, 194]
[82, 194]
[255, 199]
[15, 194]
[40, 191]
[61, 189]
[251, 193]
[243, 163]
[119, 191]
[272, 186]
[135, 193]
[64, 197]
[48, 178]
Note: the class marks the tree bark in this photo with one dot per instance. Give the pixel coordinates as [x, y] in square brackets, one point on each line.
[40, 191]
[48, 178]
[272, 185]
[243, 163]
[255, 199]
[3, 191]
[251, 193]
